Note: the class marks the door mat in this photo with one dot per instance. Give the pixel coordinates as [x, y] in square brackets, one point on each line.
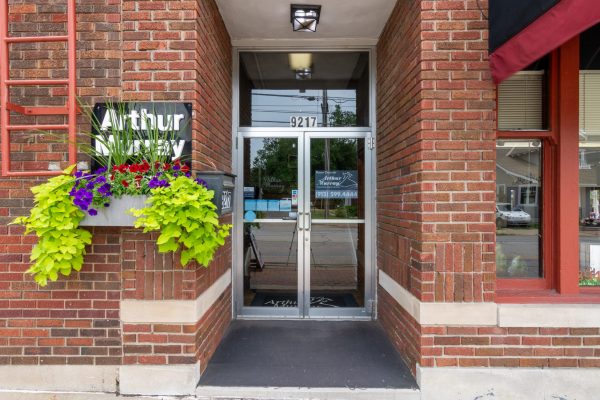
[330, 300]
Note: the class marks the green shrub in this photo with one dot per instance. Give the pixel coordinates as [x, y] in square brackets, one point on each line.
[55, 220]
[187, 220]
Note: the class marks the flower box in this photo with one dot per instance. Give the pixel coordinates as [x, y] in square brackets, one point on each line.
[223, 184]
[117, 214]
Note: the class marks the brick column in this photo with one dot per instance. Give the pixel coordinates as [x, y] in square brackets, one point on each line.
[436, 160]
[176, 51]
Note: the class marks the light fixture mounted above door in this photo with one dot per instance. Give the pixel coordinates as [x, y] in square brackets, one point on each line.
[305, 17]
[301, 64]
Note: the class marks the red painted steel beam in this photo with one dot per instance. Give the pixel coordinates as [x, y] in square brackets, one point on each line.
[36, 82]
[4, 113]
[37, 110]
[36, 128]
[31, 173]
[71, 83]
[38, 39]
[72, 88]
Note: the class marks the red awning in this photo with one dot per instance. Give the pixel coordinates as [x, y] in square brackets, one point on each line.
[550, 30]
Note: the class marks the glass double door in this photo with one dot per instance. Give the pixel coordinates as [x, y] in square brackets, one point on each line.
[306, 235]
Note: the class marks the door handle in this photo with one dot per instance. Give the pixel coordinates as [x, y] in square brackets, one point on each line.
[309, 215]
[300, 221]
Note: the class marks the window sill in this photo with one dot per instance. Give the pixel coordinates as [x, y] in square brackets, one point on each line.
[587, 295]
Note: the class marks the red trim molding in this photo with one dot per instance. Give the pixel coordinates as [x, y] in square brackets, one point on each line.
[561, 23]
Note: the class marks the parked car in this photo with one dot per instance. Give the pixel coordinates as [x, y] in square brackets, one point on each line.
[508, 216]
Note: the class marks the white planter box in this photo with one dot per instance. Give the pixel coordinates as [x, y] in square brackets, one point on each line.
[117, 214]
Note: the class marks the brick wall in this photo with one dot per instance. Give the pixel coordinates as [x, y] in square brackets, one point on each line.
[398, 146]
[127, 50]
[436, 168]
[75, 320]
[458, 124]
[510, 347]
[436, 193]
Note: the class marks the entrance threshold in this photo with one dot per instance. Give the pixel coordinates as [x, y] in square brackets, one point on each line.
[307, 359]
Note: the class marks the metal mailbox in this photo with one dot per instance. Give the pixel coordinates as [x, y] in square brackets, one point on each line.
[223, 184]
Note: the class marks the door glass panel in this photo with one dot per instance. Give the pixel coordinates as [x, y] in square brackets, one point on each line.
[270, 265]
[270, 252]
[337, 259]
[337, 178]
[337, 192]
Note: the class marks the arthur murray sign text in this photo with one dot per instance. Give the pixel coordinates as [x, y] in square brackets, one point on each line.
[171, 123]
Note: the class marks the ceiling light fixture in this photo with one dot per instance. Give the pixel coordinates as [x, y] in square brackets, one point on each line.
[305, 17]
[301, 64]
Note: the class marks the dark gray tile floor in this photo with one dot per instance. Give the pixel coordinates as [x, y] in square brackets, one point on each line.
[354, 354]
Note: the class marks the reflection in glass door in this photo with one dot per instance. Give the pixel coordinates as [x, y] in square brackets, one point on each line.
[305, 247]
[271, 236]
[334, 199]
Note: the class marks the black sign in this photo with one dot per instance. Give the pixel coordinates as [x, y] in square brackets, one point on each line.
[171, 123]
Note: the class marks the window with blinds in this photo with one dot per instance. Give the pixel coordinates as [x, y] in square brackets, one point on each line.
[589, 103]
[521, 102]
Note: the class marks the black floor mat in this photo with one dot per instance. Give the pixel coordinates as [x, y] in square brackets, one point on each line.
[314, 354]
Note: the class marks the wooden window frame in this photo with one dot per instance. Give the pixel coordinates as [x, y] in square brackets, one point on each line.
[560, 191]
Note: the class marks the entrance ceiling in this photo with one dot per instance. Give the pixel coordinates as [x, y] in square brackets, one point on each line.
[260, 22]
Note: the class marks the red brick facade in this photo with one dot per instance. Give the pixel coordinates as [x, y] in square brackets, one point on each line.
[436, 150]
[436, 193]
[435, 200]
[130, 50]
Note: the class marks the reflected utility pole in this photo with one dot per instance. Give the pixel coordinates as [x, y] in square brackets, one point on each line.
[326, 156]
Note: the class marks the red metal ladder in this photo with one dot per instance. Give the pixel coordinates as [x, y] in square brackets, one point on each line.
[70, 109]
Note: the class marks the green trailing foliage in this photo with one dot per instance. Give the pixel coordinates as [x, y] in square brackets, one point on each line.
[55, 220]
[186, 218]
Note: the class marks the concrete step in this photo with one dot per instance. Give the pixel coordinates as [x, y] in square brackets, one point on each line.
[293, 393]
[231, 393]
[35, 395]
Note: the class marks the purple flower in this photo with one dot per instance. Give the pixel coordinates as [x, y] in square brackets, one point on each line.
[105, 190]
[155, 182]
[78, 174]
[100, 171]
[82, 198]
[202, 182]
[100, 179]
[106, 204]
[92, 211]
[176, 167]
[188, 174]
[89, 186]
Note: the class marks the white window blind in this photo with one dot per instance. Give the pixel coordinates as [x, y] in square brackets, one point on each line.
[589, 103]
[520, 102]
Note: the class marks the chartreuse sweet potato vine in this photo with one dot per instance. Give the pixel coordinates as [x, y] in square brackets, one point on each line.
[55, 220]
[186, 218]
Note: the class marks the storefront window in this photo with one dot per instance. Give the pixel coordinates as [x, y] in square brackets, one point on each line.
[518, 208]
[589, 158]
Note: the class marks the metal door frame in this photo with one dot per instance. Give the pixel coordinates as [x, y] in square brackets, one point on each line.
[238, 135]
[340, 312]
[304, 138]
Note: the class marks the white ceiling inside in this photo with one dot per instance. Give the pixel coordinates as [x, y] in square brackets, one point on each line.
[353, 21]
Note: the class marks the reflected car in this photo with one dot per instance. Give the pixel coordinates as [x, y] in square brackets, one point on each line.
[508, 216]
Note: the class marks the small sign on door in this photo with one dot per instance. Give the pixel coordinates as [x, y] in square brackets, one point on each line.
[336, 184]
